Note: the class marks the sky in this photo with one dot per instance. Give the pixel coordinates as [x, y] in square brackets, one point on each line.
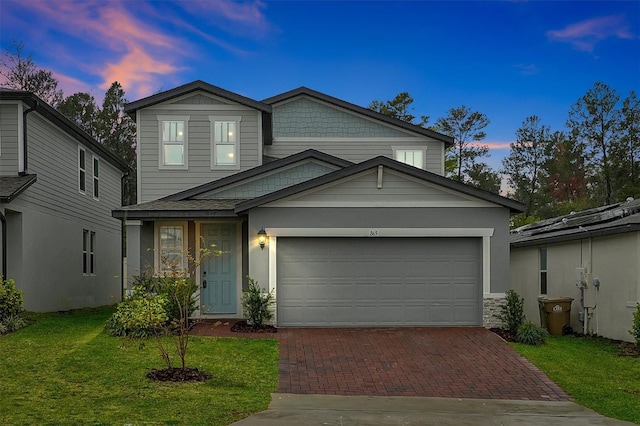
[506, 59]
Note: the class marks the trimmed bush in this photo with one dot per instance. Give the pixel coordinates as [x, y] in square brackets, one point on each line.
[635, 329]
[531, 334]
[257, 303]
[10, 307]
[512, 312]
[139, 316]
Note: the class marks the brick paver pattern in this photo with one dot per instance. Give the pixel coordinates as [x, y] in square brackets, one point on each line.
[451, 362]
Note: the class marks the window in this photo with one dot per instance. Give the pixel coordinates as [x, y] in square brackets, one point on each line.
[82, 171]
[171, 248]
[96, 178]
[173, 142]
[412, 157]
[543, 271]
[225, 134]
[88, 252]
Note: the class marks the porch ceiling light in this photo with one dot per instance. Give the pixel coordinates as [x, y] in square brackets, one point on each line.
[262, 238]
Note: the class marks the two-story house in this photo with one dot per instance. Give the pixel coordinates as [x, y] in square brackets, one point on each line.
[58, 187]
[342, 212]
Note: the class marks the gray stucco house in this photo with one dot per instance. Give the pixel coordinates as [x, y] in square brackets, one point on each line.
[362, 228]
[58, 187]
[592, 256]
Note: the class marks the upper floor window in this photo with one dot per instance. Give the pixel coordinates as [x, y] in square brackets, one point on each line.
[543, 271]
[173, 142]
[82, 170]
[410, 156]
[96, 178]
[225, 135]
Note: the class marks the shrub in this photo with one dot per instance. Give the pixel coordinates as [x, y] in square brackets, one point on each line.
[635, 329]
[10, 299]
[140, 315]
[512, 312]
[257, 303]
[531, 334]
[178, 291]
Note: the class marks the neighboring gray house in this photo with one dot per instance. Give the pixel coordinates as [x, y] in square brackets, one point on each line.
[592, 256]
[362, 228]
[58, 187]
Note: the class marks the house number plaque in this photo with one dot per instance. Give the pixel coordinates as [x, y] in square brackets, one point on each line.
[373, 232]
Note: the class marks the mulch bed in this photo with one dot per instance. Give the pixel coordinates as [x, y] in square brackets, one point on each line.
[243, 327]
[178, 375]
[505, 334]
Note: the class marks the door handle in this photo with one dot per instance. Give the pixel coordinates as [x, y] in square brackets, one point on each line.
[204, 284]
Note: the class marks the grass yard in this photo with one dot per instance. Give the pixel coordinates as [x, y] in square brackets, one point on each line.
[65, 369]
[591, 371]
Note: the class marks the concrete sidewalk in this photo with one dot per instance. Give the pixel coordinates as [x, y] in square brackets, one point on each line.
[290, 409]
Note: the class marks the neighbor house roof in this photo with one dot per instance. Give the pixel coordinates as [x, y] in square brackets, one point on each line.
[169, 209]
[64, 123]
[513, 206]
[305, 91]
[12, 186]
[606, 220]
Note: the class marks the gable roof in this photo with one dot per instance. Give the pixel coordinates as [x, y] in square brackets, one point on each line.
[606, 220]
[64, 123]
[194, 86]
[513, 206]
[167, 209]
[305, 91]
[12, 186]
[308, 154]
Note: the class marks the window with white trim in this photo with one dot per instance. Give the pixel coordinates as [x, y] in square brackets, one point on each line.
[82, 170]
[543, 270]
[171, 249]
[173, 142]
[225, 137]
[88, 252]
[411, 156]
[96, 178]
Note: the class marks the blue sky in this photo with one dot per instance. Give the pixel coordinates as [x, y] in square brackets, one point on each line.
[507, 59]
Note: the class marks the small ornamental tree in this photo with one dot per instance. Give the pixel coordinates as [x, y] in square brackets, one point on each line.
[512, 312]
[256, 303]
[635, 329]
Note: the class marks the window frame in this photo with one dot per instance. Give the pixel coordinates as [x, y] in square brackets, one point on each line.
[237, 120]
[422, 150]
[88, 253]
[159, 267]
[543, 275]
[95, 171]
[162, 119]
[82, 170]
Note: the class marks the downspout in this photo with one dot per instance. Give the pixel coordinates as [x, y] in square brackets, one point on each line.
[24, 138]
[4, 245]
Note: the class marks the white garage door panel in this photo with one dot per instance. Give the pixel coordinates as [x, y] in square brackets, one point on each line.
[379, 281]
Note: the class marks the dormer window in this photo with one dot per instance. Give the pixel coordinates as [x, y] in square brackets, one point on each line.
[225, 135]
[173, 142]
[411, 156]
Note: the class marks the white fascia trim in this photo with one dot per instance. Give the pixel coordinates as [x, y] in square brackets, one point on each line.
[420, 141]
[132, 223]
[379, 232]
[377, 204]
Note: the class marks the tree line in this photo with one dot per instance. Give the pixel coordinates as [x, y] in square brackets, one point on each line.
[594, 161]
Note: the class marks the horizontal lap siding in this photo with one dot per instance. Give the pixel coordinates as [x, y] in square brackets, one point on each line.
[9, 139]
[53, 156]
[157, 183]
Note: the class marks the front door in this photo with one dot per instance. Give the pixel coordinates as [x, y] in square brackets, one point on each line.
[219, 274]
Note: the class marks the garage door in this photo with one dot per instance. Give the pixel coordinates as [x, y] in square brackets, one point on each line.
[379, 281]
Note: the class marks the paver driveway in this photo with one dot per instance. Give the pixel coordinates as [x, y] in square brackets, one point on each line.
[462, 362]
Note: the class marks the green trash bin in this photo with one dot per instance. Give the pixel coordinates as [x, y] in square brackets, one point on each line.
[555, 314]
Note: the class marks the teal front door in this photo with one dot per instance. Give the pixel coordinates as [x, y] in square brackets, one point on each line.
[218, 275]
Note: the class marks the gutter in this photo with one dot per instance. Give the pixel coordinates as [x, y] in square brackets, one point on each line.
[4, 245]
[25, 167]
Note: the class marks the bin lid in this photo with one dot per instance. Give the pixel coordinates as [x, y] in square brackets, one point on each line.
[556, 299]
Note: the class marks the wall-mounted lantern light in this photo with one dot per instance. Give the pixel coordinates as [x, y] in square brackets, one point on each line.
[262, 238]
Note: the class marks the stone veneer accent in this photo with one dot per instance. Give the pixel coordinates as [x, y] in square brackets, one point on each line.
[491, 309]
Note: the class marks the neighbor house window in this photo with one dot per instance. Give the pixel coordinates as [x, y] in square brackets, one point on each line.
[173, 142]
[88, 252]
[82, 170]
[412, 157]
[171, 248]
[96, 178]
[225, 135]
[543, 271]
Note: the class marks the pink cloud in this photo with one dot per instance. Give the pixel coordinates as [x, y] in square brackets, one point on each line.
[492, 144]
[238, 16]
[585, 35]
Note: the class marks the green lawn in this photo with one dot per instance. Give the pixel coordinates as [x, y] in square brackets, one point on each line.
[65, 369]
[591, 371]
